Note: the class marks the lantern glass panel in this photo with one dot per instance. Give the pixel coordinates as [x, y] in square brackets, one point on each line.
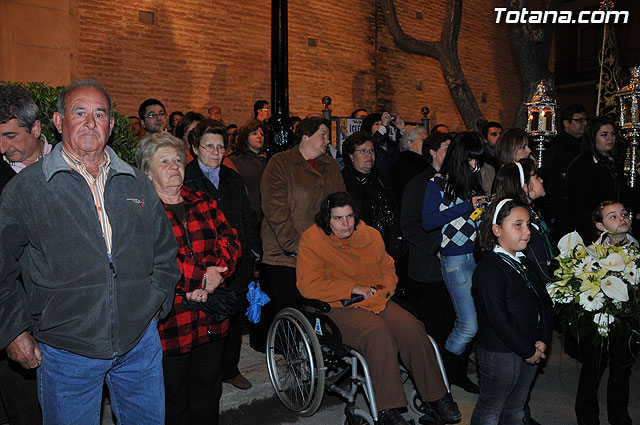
[547, 119]
[534, 116]
[635, 113]
[627, 106]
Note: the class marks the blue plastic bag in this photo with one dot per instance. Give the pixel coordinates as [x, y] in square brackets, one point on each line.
[257, 298]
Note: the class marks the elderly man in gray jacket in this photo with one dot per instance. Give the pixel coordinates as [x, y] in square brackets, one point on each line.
[98, 261]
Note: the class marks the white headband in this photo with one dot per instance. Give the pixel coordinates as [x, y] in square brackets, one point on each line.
[521, 171]
[498, 208]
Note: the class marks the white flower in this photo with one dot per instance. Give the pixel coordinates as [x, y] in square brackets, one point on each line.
[568, 242]
[631, 275]
[614, 288]
[558, 296]
[590, 303]
[603, 320]
[586, 264]
[613, 262]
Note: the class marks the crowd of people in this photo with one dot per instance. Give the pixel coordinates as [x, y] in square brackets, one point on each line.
[137, 277]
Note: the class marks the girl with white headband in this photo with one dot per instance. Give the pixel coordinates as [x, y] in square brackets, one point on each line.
[514, 315]
[520, 180]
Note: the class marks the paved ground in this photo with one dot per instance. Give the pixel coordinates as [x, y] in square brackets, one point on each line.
[551, 403]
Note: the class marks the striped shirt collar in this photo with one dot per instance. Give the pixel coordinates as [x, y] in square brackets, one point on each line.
[78, 165]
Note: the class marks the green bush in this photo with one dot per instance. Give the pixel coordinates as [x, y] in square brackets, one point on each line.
[122, 140]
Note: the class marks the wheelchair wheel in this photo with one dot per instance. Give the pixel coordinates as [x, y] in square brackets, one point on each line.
[295, 363]
[361, 418]
[416, 404]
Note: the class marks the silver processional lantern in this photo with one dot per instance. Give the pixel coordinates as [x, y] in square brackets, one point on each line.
[541, 119]
[629, 97]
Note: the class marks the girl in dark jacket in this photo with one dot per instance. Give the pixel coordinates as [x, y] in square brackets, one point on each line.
[514, 315]
[593, 176]
[520, 181]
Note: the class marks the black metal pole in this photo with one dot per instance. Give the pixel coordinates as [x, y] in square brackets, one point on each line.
[280, 124]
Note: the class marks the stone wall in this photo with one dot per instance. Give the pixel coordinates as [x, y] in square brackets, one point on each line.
[194, 53]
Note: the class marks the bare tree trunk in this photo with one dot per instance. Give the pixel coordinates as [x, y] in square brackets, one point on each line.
[445, 51]
[531, 47]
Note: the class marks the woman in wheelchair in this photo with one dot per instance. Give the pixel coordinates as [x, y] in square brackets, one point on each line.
[340, 257]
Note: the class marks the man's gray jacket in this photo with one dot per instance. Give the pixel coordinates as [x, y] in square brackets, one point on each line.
[74, 297]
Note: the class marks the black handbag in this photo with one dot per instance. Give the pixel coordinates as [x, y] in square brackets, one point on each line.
[220, 304]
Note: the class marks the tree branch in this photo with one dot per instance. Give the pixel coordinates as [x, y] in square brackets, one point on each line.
[404, 41]
[445, 51]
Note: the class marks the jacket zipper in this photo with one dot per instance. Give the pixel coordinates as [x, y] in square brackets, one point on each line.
[112, 279]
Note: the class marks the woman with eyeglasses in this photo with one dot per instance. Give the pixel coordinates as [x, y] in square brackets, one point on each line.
[371, 191]
[594, 176]
[207, 174]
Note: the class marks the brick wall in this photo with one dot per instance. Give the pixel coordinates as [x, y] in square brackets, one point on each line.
[199, 52]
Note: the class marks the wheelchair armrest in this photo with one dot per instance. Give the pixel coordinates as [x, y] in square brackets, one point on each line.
[318, 305]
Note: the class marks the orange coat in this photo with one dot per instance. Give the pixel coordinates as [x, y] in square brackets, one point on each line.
[328, 268]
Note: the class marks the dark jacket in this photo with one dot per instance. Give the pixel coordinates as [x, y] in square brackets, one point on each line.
[232, 200]
[74, 298]
[373, 199]
[590, 182]
[250, 166]
[424, 265]
[6, 173]
[511, 317]
[409, 165]
[558, 155]
[387, 152]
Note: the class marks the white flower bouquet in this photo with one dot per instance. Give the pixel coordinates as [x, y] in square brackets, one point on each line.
[596, 291]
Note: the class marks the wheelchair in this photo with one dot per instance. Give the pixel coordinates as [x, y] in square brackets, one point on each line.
[306, 358]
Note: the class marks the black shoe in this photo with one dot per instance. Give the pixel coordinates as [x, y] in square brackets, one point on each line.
[529, 421]
[391, 417]
[447, 409]
[466, 384]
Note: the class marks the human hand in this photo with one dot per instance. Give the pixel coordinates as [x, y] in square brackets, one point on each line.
[25, 350]
[535, 359]
[478, 200]
[542, 347]
[198, 295]
[365, 291]
[214, 277]
[399, 124]
[386, 118]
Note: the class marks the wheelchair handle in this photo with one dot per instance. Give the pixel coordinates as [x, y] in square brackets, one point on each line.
[355, 298]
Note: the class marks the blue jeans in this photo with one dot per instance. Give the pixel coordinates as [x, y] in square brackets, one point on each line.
[505, 379]
[457, 271]
[70, 385]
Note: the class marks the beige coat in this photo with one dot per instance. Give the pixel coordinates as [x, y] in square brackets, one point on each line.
[292, 191]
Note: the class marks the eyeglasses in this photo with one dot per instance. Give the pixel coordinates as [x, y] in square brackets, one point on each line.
[264, 109]
[213, 148]
[363, 150]
[153, 115]
[578, 119]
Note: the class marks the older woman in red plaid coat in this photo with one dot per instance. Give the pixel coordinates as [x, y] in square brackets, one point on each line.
[208, 252]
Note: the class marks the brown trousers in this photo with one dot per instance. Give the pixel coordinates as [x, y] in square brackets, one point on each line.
[380, 338]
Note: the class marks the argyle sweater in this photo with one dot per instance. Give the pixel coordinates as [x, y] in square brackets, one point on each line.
[457, 231]
[207, 240]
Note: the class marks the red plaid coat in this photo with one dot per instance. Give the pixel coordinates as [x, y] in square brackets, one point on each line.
[211, 241]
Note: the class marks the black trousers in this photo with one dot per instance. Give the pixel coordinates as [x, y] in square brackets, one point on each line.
[19, 392]
[233, 345]
[433, 307]
[279, 283]
[193, 385]
[620, 357]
